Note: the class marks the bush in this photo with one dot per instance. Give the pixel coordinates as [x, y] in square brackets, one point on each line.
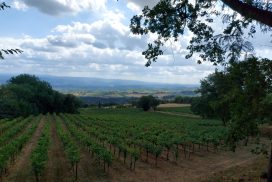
[148, 102]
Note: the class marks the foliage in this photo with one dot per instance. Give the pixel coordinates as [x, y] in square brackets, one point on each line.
[240, 95]
[14, 144]
[9, 51]
[177, 110]
[170, 19]
[147, 102]
[183, 100]
[39, 155]
[3, 6]
[27, 94]
[78, 130]
[213, 101]
[265, 110]
[134, 133]
[71, 150]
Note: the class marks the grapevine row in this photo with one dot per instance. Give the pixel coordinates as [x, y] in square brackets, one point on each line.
[11, 149]
[98, 150]
[39, 155]
[71, 150]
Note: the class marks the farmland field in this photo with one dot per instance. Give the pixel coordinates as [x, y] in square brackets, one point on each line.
[116, 145]
[174, 109]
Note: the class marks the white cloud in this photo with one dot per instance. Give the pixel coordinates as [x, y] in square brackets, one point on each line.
[133, 7]
[42, 57]
[102, 48]
[19, 5]
[108, 32]
[61, 7]
[142, 3]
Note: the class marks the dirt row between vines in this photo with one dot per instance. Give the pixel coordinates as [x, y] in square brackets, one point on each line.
[58, 167]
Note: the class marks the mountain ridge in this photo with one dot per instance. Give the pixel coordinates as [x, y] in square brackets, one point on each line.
[92, 83]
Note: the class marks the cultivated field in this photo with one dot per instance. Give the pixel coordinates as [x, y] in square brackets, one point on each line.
[120, 145]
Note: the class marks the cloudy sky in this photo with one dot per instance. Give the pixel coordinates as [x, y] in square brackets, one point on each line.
[91, 38]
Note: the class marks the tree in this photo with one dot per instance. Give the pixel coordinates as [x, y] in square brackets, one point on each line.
[251, 84]
[27, 94]
[170, 19]
[266, 105]
[214, 101]
[201, 106]
[183, 100]
[148, 102]
[3, 6]
[239, 96]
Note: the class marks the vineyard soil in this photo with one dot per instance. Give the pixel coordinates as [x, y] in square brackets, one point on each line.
[58, 167]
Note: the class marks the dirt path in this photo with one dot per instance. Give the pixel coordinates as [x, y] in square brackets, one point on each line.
[58, 167]
[180, 114]
[21, 171]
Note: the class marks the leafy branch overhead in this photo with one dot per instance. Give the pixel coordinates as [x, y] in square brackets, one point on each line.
[9, 51]
[3, 5]
[170, 19]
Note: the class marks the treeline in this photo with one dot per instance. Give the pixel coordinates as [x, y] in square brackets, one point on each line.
[183, 100]
[240, 95]
[27, 94]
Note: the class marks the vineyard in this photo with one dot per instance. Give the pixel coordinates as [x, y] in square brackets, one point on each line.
[111, 145]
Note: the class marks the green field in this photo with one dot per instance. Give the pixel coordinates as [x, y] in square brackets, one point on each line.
[177, 110]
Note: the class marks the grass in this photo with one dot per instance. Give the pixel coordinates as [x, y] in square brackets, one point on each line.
[250, 171]
[177, 110]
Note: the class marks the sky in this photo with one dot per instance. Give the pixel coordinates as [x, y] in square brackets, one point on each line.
[91, 38]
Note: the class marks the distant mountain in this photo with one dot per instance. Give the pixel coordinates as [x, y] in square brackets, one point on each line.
[83, 83]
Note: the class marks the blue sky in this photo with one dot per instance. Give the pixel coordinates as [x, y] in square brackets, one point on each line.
[91, 38]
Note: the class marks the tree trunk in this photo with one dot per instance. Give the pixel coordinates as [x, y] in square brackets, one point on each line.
[37, 177]
[249, 11]
[131, 162]
[184, 150]
[269, 171]
[76, 171]
[125, 156]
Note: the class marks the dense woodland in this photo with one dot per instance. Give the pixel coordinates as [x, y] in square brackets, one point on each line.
[27, 94]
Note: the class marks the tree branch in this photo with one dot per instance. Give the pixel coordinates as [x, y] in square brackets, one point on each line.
[248, 11]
